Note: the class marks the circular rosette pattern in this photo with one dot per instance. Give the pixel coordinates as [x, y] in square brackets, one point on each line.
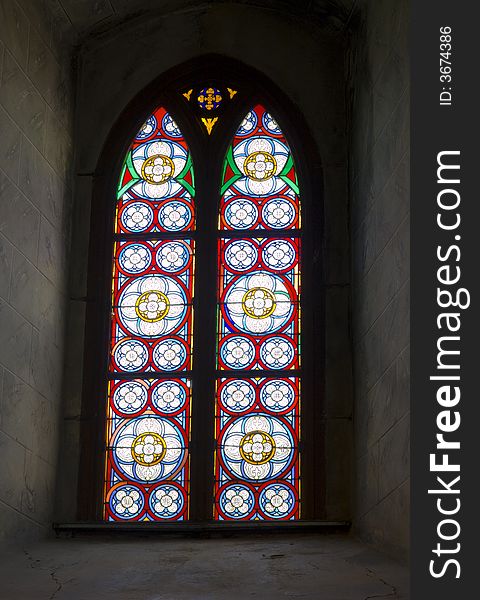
[152, 306]
[240, 255]
[277, 352]
[157, 164]
[167, 501]
[277, 500]
[134, 258]
[279, 213]
[136, 217]
[148, 128]
[237, 352]
[248, 124]
[170, 354]
[174, 257]
[126, 501]
[259, 303]
[260, 161]
[149, 448]
[240, 213]
[279, 255]
[130, 355]
[175, 215]
[237, 395]
[278, 395]
[236, 501]
[130, 397]
[270, 124]
[169, 396]
[170, 127]
[257, 447]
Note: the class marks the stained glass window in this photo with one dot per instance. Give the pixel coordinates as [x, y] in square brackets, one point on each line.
[257, 425]
[150, 387]
[250, 374]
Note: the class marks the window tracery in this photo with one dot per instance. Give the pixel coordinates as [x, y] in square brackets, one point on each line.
[152, 351]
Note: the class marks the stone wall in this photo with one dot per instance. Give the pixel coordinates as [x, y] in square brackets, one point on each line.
[35, 200]
[379, 181]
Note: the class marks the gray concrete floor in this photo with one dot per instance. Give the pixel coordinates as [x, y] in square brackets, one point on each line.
[305, 566]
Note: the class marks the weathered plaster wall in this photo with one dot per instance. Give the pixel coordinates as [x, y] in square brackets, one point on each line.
[379, 181]
[35, 198]
[307, 63]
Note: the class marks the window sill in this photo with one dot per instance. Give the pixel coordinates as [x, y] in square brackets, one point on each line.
[189, 528]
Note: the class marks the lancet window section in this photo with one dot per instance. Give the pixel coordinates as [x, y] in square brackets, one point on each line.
[257, 423]
[150, 383]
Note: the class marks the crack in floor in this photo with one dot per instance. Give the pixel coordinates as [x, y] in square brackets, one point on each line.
[53, 576]
[34, 563]
[56, 571]
[393, 592]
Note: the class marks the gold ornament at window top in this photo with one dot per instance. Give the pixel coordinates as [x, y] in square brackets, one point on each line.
[209, 98]
[209, 123]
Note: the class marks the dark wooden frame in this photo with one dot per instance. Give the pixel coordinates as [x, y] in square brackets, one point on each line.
[166, 91]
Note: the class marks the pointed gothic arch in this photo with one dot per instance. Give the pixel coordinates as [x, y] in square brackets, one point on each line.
[207, 150]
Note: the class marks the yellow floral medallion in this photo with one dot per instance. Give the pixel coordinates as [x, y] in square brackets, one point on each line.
[260, 166]
[257, 447]
[259, 303]
[152, 306]
[158, 169]
[148, 449]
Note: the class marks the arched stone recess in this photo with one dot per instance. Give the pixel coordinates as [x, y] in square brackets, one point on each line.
[118, 76]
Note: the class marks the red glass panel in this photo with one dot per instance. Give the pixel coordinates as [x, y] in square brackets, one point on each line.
[149, 400]
[257, 425]
[259, 292]
[147, 467]
[152, 297]
[156, 187]
[259, 188]
[256, 458]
